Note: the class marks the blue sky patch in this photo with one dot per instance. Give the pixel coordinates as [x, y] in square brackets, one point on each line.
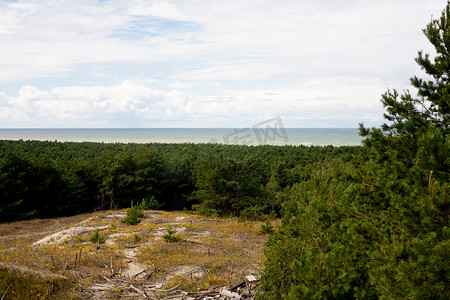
[143, 27]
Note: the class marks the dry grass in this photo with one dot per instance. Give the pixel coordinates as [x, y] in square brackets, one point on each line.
[212, 253]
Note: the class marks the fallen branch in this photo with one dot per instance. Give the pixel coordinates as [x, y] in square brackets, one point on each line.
[64, 270]
[142, 292]
[4, 294]
[145, 271]
[234, 288]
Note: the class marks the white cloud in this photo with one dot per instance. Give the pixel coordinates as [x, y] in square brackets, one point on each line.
[211, 62]
[139, 105]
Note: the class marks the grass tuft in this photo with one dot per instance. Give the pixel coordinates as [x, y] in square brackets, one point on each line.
[170, 236]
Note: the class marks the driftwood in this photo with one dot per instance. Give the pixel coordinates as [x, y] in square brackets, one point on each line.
[4, 294]
[146, 271]
[142, 292]
[241, 291]
[230, 295]
[237, 286]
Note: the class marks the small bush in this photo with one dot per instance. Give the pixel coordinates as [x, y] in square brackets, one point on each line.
[134, 215]
[136, 237]
[170, 237]
[150, 204]
[267, 228]
[207, 212]
[253, 213]
[97, 237]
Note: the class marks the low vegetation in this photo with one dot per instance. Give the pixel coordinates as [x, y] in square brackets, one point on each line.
[211, 254]
[170, 236]
[97, 237]
[16, 284]
[134, 215]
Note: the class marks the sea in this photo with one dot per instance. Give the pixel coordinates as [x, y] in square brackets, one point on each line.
[270, 135]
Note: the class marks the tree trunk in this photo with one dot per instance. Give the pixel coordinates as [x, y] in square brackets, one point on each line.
[112, 199]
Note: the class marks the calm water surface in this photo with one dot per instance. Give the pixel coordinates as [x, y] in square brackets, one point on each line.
[244, 136]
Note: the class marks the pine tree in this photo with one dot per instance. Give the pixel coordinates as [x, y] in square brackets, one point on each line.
[383, 233]
[423, 120]
[431, 107]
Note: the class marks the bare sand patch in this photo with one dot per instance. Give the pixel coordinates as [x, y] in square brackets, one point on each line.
[63, 235]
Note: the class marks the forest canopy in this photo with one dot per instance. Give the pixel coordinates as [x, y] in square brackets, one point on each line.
[51, 179]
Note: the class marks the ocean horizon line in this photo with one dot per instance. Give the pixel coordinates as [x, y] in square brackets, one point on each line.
[118, 128]
[270, 135]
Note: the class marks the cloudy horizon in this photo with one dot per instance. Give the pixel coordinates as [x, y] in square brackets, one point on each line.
[228, 64]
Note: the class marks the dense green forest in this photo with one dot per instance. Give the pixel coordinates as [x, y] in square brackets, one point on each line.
[50, 179]
[363, 222]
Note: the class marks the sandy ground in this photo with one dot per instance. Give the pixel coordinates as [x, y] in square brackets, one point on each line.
[214, 240]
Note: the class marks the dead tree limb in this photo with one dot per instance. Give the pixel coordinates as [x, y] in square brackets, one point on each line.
[4, 294]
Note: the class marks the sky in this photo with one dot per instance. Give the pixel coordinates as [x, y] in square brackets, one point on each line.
[206, 63]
